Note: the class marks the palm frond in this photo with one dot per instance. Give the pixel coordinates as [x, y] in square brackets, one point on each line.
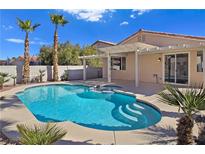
[35, 26]
[26, 25]
[190, 100]
[64, 22]
[58, 19]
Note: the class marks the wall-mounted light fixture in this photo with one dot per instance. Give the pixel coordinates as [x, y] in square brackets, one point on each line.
[159, 59]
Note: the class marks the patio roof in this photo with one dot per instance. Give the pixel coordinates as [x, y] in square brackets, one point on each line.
[142, 48]
[127, 47]
[93, 56]
[182, 47]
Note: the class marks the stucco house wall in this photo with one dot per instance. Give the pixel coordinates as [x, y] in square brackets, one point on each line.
[195, 77]
[148, 66]
[161, 40]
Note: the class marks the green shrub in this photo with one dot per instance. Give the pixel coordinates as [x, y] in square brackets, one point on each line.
[3, 79]
[40, 135]
[65, 76]
[42, 74]
[14, 80]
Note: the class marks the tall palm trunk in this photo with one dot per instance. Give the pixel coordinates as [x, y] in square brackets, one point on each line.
[55, 56]
[184, 130]
[26, 68]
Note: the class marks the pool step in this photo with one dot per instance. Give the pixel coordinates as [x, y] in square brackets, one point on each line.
[130, 110]
[137, 106]
[145, 112]
[128, 116]
[136, 113]
[117, 115]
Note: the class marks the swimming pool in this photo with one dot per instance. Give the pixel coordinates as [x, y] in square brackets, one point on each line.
[79, 104]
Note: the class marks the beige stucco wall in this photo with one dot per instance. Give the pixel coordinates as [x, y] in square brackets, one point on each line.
[148, 66]
[195, 77]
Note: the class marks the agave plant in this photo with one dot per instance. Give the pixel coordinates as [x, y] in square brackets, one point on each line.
[3, 79]
[190, 101]
[40, 135]
[14, 79]
[42, 74]
[56, 20]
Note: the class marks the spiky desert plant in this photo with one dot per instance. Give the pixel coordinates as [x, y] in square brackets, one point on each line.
[40, 135]
[42, 74]
[190, 101]
[14, 80]
[27, 27]
[3, 79]
[56, 20]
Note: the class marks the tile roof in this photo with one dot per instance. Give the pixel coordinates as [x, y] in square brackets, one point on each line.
[105, 42]
[163, 33]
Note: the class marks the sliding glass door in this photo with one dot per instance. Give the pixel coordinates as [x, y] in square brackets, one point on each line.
[176, 68]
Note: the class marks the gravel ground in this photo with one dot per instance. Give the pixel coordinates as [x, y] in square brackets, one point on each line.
[5, 141]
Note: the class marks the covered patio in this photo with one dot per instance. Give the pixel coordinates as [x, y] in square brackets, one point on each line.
[138, 49]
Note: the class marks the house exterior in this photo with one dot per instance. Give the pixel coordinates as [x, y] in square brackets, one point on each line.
[154, 57]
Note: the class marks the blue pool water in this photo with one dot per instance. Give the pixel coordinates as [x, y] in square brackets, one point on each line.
[79, 104]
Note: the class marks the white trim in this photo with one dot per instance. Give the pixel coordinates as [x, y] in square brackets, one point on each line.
[93, 56]
[189, 68]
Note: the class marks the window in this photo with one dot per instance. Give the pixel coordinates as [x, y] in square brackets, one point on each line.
[199, 61]
[118, 63]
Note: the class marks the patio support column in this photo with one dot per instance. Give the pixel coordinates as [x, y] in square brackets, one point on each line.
[204, 66]
[84, 69]
[136, 69]
[108, 68]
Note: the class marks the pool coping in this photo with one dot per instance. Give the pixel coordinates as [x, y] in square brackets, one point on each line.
[125, 135]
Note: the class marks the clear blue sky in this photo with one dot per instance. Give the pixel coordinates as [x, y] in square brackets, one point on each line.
[87, 26]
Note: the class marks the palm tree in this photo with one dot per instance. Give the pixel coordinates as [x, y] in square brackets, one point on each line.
[27, 27]
[190, 101]
[56, 20]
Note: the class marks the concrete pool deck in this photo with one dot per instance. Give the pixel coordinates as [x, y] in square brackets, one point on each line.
[14, 112]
